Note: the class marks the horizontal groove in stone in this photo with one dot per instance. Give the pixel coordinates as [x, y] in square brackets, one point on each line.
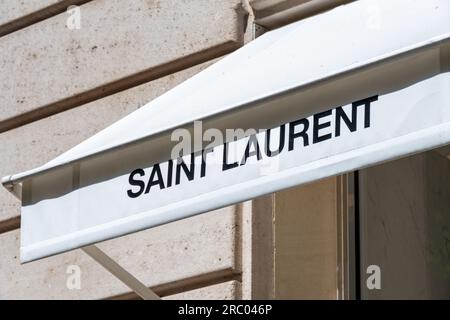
[120, 85]
[48, 68]
[203, 281]
[39, 15]
[9, 224]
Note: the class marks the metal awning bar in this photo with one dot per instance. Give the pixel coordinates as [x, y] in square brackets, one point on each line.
[120, 273]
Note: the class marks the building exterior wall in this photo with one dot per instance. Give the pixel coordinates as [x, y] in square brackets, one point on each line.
[60, 86]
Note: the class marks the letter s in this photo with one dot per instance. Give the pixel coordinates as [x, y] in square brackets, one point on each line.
[134, 182]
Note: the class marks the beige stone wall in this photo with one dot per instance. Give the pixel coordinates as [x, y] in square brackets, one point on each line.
[15, 15]
[118, 46]
[60, 86]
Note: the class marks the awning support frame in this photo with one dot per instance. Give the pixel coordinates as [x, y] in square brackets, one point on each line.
[120, 273]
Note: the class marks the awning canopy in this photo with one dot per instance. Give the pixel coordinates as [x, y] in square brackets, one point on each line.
[360, 84]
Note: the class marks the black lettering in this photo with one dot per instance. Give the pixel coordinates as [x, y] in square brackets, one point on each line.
[169, 173]
[252, 141]
[293, 135]
[189, 172]
[366, 102]
[270, 153]
[203, 166]
[341, 115]
[319, 126]
[134, 182]
[156, 171]
[226, 165]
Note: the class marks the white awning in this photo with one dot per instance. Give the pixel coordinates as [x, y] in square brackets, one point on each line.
[385, 62]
